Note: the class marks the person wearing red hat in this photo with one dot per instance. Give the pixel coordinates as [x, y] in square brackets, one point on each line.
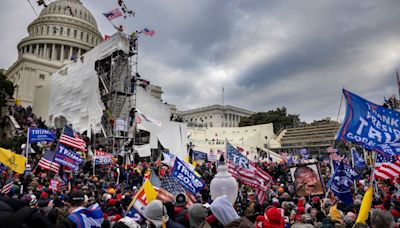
[273, 218]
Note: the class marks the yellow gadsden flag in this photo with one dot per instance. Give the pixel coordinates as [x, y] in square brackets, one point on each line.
[365, 206]
[12, 160]
[151, 193]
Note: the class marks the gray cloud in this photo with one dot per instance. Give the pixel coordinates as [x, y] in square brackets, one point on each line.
[298, 54]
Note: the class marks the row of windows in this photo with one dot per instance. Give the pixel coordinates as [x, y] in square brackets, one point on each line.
[69, 32]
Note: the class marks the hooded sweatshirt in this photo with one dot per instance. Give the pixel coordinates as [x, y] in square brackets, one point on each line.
[197, 214]
[223, 210]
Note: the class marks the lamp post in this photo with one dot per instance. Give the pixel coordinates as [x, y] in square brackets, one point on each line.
[223, 183]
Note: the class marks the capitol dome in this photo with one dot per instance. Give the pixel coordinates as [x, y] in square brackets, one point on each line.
[72, 8]
[64, 29]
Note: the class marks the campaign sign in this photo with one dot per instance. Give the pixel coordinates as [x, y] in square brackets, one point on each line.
[67, 157]
[40, 135]
[199, 156]
[103, 158]
[186, 177]
[54, 184]
[373, 126]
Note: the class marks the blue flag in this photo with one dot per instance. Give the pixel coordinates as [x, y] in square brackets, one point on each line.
[198, 155]
[67, 157]
[40, 135]
[370, 125]
[236, 157]
[186, 177]
[341, 182]
[88, 217]
[304, 153]
[358, 159]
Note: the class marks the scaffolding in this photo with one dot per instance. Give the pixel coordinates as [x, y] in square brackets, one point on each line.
[117, 75]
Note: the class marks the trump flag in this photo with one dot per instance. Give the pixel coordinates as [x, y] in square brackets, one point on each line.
[370, 125]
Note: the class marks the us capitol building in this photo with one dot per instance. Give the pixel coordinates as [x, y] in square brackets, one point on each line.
[64, 30]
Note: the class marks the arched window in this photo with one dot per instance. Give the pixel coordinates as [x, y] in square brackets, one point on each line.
[62, 31]
[41, 30]
[68, 31]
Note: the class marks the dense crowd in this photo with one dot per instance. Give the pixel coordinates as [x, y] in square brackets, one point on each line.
[31, 202]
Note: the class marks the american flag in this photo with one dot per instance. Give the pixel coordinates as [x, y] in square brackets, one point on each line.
[247, 172]
[170, 184]
[110, 15]
[69, 138]
[7, 186]
[47, 162]
[148, 32]
[386, 167]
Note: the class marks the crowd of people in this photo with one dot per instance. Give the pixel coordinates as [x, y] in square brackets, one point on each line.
[31, 203]
[103, 197]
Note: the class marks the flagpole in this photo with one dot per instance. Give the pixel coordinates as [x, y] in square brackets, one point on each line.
[94, 161]
[352, 165]
[27, 146]
[340, 107]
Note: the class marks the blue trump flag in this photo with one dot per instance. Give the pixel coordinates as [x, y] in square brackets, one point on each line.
[40, 135]
[358, 159]
[198, 155]
[67, 157]
[341, 181]
[236, 157]
[186, 177]
[370, 125]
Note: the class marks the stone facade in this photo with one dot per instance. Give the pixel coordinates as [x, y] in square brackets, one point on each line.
[64, 30]
[214, 116]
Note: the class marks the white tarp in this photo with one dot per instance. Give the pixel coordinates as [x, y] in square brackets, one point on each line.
[172, 135]
[143, 150]
[174, 138]
[75, 88]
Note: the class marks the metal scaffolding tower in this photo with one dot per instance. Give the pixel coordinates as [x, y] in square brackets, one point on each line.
[117, 74]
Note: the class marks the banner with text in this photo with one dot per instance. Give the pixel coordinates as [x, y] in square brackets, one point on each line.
[373, 126]
[103, 158]
[186, 177]
[67, 157]
[40, 135]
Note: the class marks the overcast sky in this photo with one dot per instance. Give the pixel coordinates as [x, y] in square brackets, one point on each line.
[266, 54]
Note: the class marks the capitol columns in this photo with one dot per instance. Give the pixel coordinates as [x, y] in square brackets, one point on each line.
[53, 52]
[45, 51]
[70, 52]
[62, 52]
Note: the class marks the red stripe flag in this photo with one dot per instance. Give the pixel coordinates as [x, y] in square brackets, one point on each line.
[248, 172]
[47, 162]
[386, 167]
[110, 15]
[69, 138]
[7, 186]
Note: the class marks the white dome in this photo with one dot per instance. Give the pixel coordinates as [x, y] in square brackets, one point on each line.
[73, 8]
[64, 28]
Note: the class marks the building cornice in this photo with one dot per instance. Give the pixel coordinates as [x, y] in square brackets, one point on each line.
[31, 59]
[72, 21]
[54, 40]
[225, 108]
